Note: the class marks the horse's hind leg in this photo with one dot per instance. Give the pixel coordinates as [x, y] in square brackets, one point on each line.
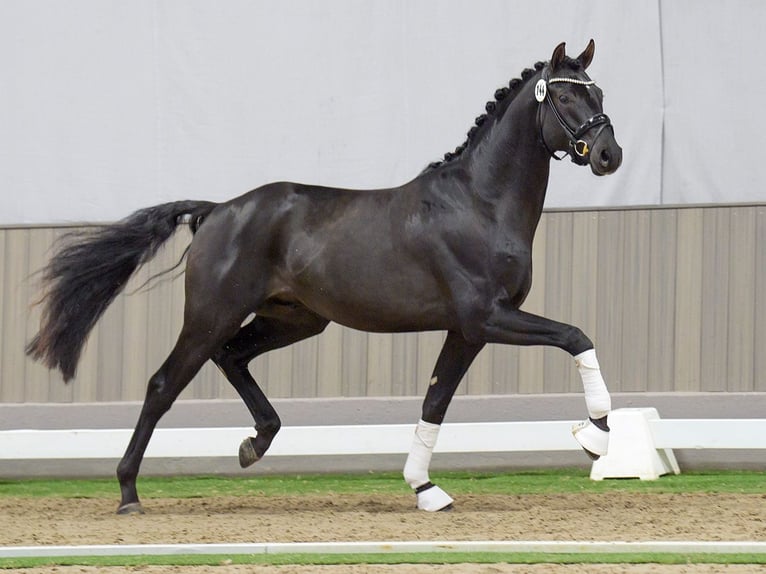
[193, 348]
[261, 335]
[455, 358]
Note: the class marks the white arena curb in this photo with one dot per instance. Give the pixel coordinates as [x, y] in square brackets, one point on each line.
[549, 547]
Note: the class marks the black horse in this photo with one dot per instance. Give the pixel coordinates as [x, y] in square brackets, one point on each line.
[450, 250]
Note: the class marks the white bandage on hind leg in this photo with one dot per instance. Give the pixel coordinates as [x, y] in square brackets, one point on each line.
[419, 459]
[597, 397]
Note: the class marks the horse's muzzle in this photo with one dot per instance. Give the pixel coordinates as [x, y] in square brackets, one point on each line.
[605, 154]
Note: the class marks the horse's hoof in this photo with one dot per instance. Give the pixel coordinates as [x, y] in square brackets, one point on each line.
[591, 455]
[247, 454]
[431, 498]
[130, 508]
[593, 440]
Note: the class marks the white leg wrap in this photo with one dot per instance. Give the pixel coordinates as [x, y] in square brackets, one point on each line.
[597, 397]
[419, 459]
[430, 497]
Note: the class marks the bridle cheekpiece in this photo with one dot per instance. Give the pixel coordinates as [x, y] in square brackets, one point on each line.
[578, 147]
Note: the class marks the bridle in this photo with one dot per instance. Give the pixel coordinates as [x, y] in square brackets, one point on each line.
[578, 147]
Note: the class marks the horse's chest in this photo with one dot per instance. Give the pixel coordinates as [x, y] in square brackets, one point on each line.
[510, 266]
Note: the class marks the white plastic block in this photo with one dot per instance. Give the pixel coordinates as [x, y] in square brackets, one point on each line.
[632, 451]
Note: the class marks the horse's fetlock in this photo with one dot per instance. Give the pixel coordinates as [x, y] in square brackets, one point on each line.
[270, 427]
[125, 473]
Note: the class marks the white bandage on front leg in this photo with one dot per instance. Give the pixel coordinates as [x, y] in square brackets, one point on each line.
[430, 497]
[419, 459]
[597, 398]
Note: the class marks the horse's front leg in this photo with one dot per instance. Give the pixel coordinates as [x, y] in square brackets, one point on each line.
[516, 327]
[455, 358]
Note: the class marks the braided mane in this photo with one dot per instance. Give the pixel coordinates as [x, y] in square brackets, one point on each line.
[495, 110]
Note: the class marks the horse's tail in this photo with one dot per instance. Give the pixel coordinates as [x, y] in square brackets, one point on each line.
[89, 270]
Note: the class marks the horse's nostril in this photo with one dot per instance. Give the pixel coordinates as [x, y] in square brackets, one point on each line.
[605, 158]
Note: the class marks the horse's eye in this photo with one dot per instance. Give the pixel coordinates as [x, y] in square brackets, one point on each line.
[564, 99]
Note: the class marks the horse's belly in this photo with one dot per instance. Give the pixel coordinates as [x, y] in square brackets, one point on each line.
[386, 303]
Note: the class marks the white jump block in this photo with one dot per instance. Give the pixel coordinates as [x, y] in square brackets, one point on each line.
[632, 451]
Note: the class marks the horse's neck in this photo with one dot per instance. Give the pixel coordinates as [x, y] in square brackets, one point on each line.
[511, 168]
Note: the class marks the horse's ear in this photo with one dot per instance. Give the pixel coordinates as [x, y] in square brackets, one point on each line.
[558, 55]
[587, 55]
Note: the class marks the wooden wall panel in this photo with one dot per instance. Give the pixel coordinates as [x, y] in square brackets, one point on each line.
[380, 364]
[715, 300]
[558, 302]
[635, 297]
[759, 335]
[741, 310]
[674, 299]
[13, 368]
[612, 306]
[687, 348]
[660, 363]
[584, 283]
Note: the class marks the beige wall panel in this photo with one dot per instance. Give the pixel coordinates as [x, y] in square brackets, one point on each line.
[5, 299]
[478, 379]
[305, 361]
[505, 369]
[660, 362]
[330, 361]
[111, 336]
[213, 383]
[136, 326]
[741, 316]
[715, 300]
[610, 296]
[278, 383]
[558, 301]
[674, 299]
[635, 293]
[759, 343]
[584, 285]
[688, 308]
[380, 362]
[405, 356]
[353, 373]
[15, 294]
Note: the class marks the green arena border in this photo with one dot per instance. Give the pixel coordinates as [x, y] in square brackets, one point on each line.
[435, 552]
[213, 560]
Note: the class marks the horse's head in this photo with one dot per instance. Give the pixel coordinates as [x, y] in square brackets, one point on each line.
[571, 117]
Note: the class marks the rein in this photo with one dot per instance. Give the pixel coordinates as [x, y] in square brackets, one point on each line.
[578, 147]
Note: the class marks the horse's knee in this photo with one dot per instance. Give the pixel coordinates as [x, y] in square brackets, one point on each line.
[574, 341]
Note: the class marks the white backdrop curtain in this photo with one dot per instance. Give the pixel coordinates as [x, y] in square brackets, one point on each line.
[109, 106]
